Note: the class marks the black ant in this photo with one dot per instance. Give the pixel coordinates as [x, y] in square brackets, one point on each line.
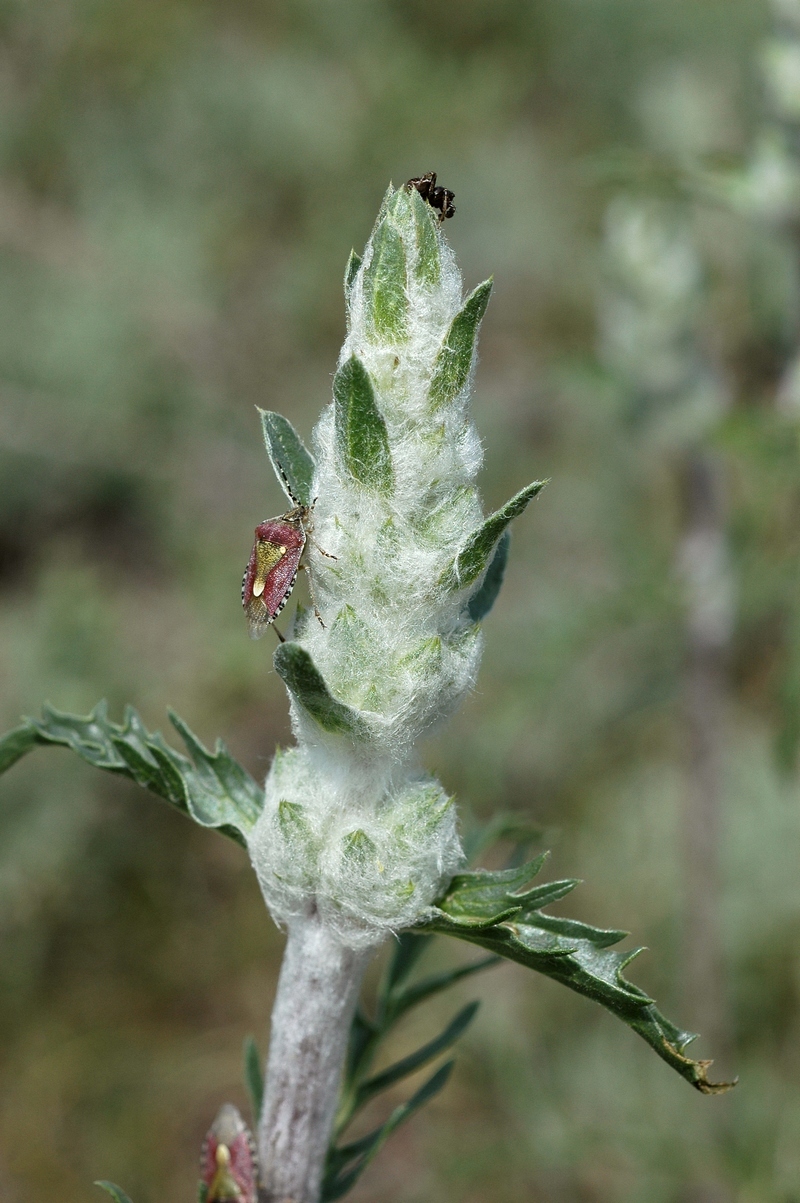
[438, 198]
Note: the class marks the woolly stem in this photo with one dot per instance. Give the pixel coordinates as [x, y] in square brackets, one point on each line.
[317, 995]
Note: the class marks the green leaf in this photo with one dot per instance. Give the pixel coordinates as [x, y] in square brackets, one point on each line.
[570, 952]
[14, 745]
[385, 286]
[305, 682]
[423, 1056]
[521, 832]
[253, 1079]
[454, 361]
[116, 1192]
[474, 556]
[202, 1192]
[350, 273]
[345, 1165]
[361, 436]
[293, 464]
[418, 992]
[213, 789]
[487, 593]
[428, 266]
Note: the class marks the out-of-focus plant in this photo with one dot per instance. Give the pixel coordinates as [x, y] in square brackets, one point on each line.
[351, 841]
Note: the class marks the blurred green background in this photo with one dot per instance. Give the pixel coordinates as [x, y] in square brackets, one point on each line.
[182, 181]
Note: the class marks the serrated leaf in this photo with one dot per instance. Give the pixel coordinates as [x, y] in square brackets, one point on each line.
[292, 462]
[570, 952]
[483, 896]
[385, 286]
[361, 437]
[213, 789]
[423, 1056]
[307, 685]
[453, 363]
[476, 553]
[253, 1078]
[428, 266]
[345, 1165]
[116, 1192]
[488, 591]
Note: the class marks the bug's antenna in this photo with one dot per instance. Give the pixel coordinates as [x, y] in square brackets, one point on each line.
[297, 504]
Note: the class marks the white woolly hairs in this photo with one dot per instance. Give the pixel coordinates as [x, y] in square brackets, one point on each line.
[350, 823]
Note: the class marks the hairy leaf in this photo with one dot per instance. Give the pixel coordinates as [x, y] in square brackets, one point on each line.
[572, 953]
[116, 1192]
[474, 556]
[350, 273]
[488, 591]
[212, 788]
[346, 1164]
[385, 286]
[253, 1078]
[454, 360]
[292, 462]
[306, 683]
[361, 436]
[428, 266]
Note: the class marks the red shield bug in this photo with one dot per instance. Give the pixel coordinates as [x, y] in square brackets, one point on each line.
[273, 566]
[228, 1161]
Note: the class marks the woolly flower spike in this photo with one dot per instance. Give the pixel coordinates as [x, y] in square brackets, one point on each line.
[350, 826]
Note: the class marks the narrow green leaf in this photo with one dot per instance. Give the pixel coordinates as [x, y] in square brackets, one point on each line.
[15, 744]
[213, 789]
[346, 1165]
[423, 1056]
[570, 952]
[292, 463]
[350, 273]
[253, 1079]
[385, 286]
[428, 266]
[454, 361]
[202, 1192]
[474, 556]
[418, 992]
[408, 948]
[361, 435]
[487, 592]
[116, 1192]
[305, 682]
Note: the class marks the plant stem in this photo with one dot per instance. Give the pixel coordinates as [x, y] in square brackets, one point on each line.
[316, 998]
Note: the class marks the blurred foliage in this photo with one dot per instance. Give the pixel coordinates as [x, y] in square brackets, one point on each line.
[181, 185]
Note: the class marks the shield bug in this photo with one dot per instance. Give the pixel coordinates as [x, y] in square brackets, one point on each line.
[273, 566]
[228, 1161]
[437, 197]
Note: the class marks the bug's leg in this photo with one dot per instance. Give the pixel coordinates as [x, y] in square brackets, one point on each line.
[304, 568]
[277, 632]
[322, 550]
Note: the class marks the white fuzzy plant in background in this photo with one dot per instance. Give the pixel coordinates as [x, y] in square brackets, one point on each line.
[355, 842]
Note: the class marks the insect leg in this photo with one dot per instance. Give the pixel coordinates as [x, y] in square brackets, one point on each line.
[304, 568]
[277, 632]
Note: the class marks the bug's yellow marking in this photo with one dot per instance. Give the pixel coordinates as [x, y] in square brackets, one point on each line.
[267, 556]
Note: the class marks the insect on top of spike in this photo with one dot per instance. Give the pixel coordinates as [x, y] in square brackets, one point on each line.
[228, 1161]
[436, 196]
